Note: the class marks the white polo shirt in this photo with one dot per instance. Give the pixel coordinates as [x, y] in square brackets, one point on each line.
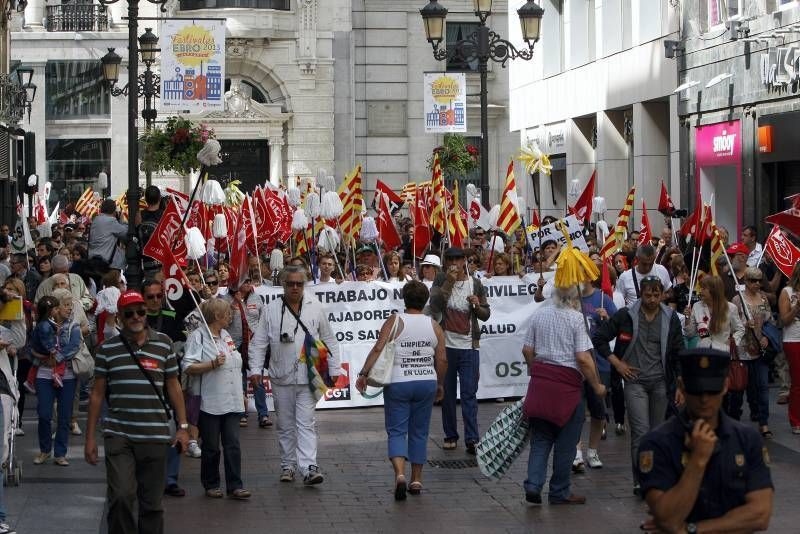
[626, 286]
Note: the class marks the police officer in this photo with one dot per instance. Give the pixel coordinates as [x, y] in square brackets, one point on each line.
[702, 471]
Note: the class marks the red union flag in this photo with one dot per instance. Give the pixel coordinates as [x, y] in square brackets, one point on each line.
[167, 237]
[782, 251]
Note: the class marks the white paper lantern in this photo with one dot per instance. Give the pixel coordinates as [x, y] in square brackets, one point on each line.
[328, 240]
[213, 195]
[313, 205]
[369, 231]
[276, 259]
[195, 243]
[332, 206]
[219, 228]
[299, 220]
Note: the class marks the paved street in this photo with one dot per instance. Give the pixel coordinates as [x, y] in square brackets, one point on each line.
[357, 494]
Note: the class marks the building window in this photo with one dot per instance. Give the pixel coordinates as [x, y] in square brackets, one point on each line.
[75, 90]
[282, 5]
[719, 11]
[73, 165]
[456, 31]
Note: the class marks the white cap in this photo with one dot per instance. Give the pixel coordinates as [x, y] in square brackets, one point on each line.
[431, 259]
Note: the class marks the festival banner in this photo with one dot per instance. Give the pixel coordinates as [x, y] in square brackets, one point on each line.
[192, 65]
[357, 310]
[552, 232]
[445, 102]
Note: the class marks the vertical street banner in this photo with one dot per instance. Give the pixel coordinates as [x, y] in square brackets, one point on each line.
[192, 65]
[445, 102]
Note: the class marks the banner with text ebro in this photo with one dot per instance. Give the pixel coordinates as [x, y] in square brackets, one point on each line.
[357, 310]
[192, 65]
[445, 102]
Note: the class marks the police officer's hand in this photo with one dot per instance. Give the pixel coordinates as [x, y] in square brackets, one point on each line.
[701, 441]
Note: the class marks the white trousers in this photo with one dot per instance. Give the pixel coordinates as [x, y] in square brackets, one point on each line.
[297, 434]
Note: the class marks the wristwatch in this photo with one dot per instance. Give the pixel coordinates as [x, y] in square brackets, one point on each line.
[691, 528]
[363, 373]
[183, 426]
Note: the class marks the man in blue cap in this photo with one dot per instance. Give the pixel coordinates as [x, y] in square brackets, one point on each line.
[702, 471]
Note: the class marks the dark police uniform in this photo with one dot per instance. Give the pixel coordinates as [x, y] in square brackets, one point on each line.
[738, 465]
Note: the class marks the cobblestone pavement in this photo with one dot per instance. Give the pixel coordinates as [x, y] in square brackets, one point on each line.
[357, 493]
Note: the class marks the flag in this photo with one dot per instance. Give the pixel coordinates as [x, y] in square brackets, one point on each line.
[314, 355]
[478, 214]
[705, 227]
[610, 246]
[386, 227]
[181, 198]
[689, 226]
[238, 261]
[353, 202]
[87, 204]
[437, 219]
[717, 248]
[458, 221]
[782, 251]
[409, 193]
[265, 222]
[535, 220]
[788, 219]
[395, 201]
[621, 228]
[22, 240]
[605, 280]
[665, 205]
[645, 231]
[167, 238]
[175, 280]
[422, 230]
[583, 206]
[509, 220]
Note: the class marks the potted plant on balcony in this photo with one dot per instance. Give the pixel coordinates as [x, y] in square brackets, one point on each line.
[456, 157]
[174, 147]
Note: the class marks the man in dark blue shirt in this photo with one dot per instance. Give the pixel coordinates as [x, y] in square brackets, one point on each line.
[702, 471]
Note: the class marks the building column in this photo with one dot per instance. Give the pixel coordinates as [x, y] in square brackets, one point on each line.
[119, 133]
[34, 14]
[37, 120]
[275, 160]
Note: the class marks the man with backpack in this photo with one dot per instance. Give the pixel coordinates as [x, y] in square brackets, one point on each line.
[148, 220]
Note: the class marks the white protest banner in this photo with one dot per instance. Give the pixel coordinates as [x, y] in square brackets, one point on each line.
[552, 232]
[192, 65]
[445, 101]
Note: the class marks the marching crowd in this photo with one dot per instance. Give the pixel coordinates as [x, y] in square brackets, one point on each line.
[142, 361]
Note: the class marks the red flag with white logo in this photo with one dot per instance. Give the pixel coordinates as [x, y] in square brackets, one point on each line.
[788, 219]
[167, 237]
[386, 227]
[665, 205]
[583, 206]
[422, 230]
[605, 281]
[782, 251]
[645, 232]
[238, 266]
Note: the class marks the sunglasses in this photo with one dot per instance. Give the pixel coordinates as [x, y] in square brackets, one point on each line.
[754, 280]
[68, 229]
[212, 283]
[294, 284]
[157, 296]
[128, 314]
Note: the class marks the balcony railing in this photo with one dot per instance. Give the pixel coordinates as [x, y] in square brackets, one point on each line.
[77, 18]
[190, 5]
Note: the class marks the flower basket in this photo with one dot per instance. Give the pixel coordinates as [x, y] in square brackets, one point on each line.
[174, 147]
[456, 156]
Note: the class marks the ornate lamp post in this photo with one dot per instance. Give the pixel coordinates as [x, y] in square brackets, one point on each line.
[133, 271]
[483, 45]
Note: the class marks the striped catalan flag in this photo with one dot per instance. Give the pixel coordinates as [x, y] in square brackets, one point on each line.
[409, 193]
[437, 220]
[509, 220]
[85, 201]
[610, 246]
[458, 228]
[352, 198]
[621, 228]
[717, 248]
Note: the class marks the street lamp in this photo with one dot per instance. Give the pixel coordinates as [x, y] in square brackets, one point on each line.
[132, 256]
[482, 45]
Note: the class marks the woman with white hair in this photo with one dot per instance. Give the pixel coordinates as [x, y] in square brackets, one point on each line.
[557, 350]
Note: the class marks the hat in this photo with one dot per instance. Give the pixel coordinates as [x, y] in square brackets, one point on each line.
[128, 298]
[431, 259]
[364, 249]
[738, 248]
[704, 370]
[453, 253]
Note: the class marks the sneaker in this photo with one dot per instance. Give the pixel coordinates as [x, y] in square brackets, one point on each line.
[18, 432]
[173, 490]
[74, 429]
[471, 448]
[577, 463]
[41, 458]
[796, 430]
[313, 476]
[287, 475]
[637, 490]
[619, 429]
[61, 461]
[5, 528]
[533, 498]
[783, 398]
[193, 451]
[593, 459]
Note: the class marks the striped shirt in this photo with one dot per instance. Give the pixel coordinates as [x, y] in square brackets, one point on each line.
[135, 410]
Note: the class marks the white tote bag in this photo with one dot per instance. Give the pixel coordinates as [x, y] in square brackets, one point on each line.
[381, 373]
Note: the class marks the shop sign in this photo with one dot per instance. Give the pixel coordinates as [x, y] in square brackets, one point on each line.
[780, 66]
[556, 138]
[718, 144]
[765, 139]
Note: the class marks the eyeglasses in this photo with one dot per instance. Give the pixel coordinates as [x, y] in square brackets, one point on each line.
[81, 228]
[157, 296]
[294, 284]
[473, 260]
[754, 280]
[128, 314]
[212, 283]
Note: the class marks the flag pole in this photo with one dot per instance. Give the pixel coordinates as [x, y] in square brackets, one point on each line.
[255, 232]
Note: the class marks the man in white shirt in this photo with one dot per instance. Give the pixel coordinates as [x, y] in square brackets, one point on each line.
[750, 240]
[628, 283]
[279, 329]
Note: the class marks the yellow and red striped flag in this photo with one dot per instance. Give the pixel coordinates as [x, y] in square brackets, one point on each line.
[85, 202]
[717, 248]
[437, 219]
[621, 228]
[457, 216]
[509, 220]
[409, 193]
[353, 202]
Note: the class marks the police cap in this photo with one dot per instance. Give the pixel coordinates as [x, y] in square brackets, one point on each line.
[704, 370]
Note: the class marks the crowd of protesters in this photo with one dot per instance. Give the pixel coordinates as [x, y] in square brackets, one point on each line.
[155, 358]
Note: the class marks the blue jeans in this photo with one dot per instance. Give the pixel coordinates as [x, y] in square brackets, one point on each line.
[546, 436]
[757, 393]
[173, 466]
[464, 365]
[407, 411]
[259, 395]
[47, 393]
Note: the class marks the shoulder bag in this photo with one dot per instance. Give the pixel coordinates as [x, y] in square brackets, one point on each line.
[737, 375]
[381, 372]
[82, 362]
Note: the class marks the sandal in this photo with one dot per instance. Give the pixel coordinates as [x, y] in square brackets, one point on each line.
[415, 488]
[265, 422]
[215, 493]
[400, 488]
[449, 444]
[241, 494]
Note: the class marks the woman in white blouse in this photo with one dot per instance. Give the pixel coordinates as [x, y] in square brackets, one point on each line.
[215, 358]
[713, 319]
